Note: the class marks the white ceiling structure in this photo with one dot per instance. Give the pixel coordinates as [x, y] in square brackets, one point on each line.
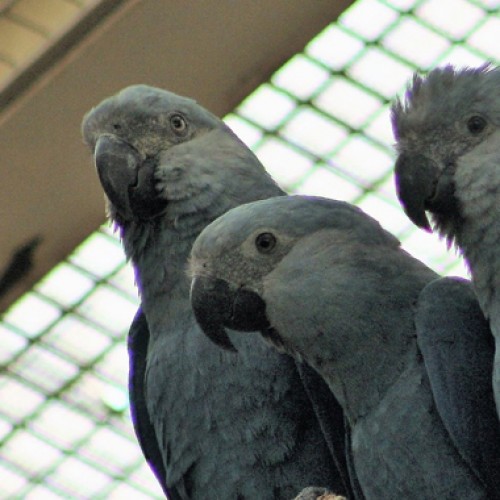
[307, 92]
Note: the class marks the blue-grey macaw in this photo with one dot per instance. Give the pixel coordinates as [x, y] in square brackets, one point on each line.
[447, 129]
[406, 353]
[211, 424]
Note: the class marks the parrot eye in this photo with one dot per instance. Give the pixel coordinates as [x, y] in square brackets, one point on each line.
[476, 124]
[178, 124]
[265, 242]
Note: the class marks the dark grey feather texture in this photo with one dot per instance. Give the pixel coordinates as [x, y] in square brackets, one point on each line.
[390, 340]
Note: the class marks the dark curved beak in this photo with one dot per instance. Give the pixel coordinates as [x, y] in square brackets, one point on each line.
[218, 305]
[128, 181]
[117, 164]
[416, 180]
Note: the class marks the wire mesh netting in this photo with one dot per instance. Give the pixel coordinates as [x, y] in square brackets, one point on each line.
[321, 126]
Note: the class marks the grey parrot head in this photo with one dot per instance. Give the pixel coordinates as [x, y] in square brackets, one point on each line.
[132, 135]
[441, 118]
[233, 258]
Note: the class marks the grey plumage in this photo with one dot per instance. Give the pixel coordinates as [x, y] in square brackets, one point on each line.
[211, 424]
[447, 129]
[328, 285]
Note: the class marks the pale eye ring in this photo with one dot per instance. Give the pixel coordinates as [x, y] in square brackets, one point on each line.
[476, 124]
[178, 124]
[265, 242]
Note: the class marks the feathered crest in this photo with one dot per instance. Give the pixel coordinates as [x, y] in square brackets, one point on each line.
[442, 89]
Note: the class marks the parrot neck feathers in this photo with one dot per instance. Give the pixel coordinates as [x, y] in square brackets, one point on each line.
[159, 251]
[475, 230]
[478, 242]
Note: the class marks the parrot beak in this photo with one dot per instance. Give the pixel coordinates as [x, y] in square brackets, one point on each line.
[117, 164]
[416, 179]
[218, 305]
[128, 182]
[211, 303]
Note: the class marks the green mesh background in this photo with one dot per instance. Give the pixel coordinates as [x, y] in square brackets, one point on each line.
[321, 126]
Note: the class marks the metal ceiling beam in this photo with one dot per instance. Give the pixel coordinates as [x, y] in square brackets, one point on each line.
[59, 48]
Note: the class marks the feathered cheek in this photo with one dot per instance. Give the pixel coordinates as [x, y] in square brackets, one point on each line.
[177, 180]
[199, 267]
